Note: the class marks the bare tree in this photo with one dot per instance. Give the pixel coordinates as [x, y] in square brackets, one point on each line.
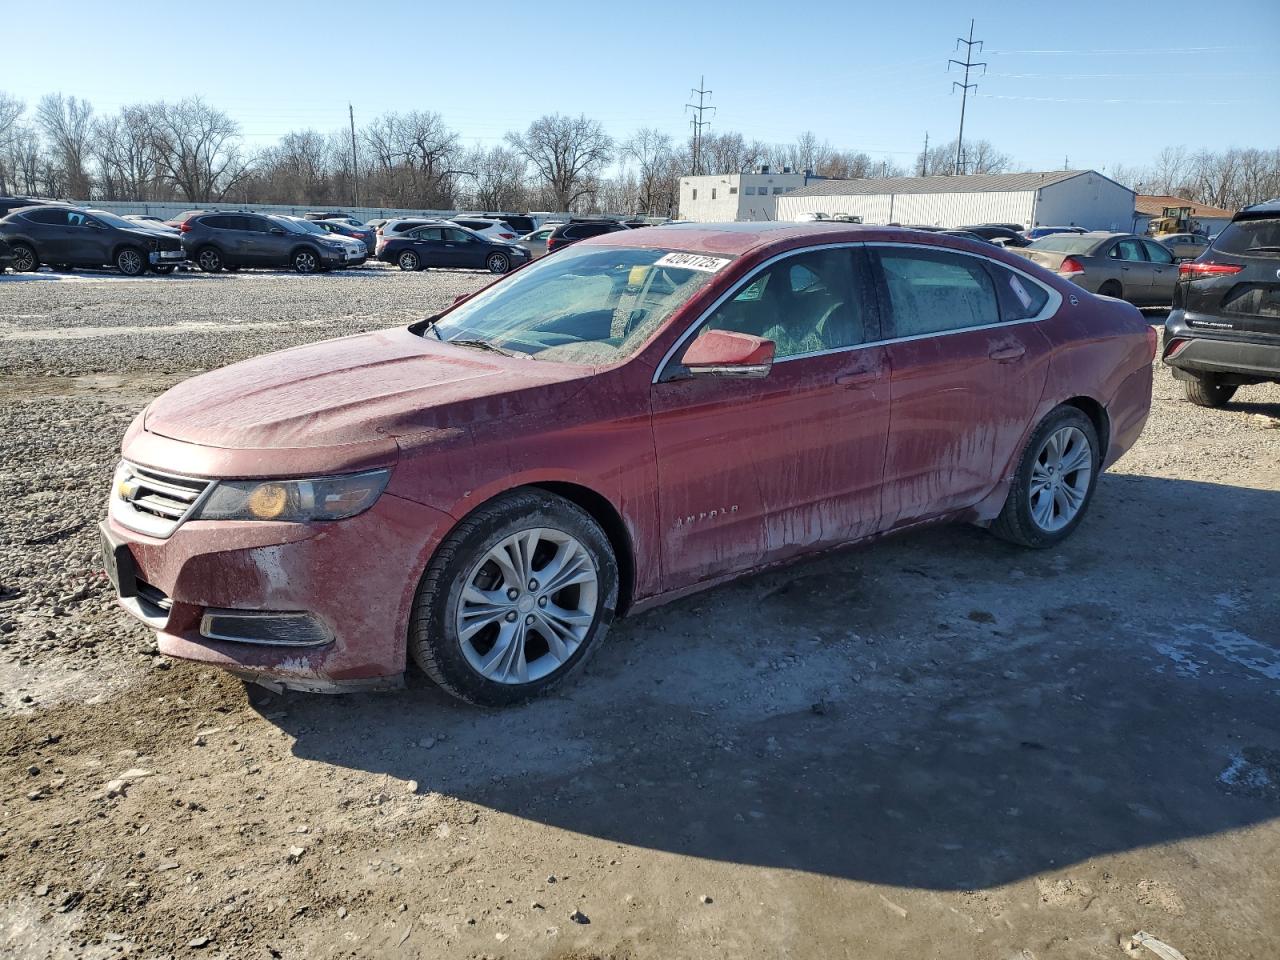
[412, 159]
[298, 167]
[657, 188]
[498, 176]
[11, 110]
[979, 157]
[846, 165]
[124, 146]
[67, 124]
[567, 154]
[198, 149]
[808, 152]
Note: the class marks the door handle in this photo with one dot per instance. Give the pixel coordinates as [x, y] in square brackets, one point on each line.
[1007, 354]
[860, 380]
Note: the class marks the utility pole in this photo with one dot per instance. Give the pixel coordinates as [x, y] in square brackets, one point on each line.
[355, 170]
[1066, 163]
[698, 123]
[924, 157]
[968, 63]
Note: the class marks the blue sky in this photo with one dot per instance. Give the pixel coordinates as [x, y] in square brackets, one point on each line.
[1099, 83]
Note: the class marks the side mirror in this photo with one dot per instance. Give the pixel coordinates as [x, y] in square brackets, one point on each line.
[277, 231]
[724, 353]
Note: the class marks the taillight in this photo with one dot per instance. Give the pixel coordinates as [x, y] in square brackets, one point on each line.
[1197, 271]
[184, 226]
[1070, 267]
[507, 236]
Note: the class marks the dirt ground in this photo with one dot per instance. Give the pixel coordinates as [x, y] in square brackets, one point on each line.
[935, 746]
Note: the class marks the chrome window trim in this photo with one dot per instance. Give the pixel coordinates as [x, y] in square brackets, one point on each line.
[1050, 308]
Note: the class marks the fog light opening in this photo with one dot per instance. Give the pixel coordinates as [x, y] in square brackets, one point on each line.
[265, 627]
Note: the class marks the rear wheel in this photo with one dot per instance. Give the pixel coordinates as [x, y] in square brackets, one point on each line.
[209, 260]
[305, 261]
[514, 600]
[498, 263]
[24, 258]
[1054, 481]
[1208, 391]
[409, 261]
[131, 261]
[1111, 288]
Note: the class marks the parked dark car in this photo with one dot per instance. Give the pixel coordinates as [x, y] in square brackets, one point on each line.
[998, 231]
[216, 241]
[67, 236]
[967, 235]
[6, 256]
[9, 204]
[365, 235]
[1112, 264]
[1224, 329]
[450, 246]
[576, 230]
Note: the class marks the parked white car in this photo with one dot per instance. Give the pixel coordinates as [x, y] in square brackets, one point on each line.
[496, 230]
[536, 242]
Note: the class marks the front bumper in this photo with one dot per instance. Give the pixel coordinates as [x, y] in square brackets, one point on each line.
[355, 578]
[1253, 356]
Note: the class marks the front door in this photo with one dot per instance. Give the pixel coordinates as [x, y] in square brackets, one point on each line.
[461, 249]
[754, 470]
[88, 239]
[965, 376]
[1136, 272]
[1164, 272]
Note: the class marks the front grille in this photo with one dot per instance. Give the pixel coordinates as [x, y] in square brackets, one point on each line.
[153, 502]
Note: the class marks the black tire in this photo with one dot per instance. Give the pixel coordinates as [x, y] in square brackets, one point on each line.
[1111, 288]
[433, 636]
[1015, 522]
[209, 259]
[408, 261]
[131, 261]
[305, 260]
[24, 258]
[163, 268]
[1208, 391]
[498, 263]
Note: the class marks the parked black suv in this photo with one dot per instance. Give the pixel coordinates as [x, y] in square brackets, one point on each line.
[577, 229]
[9, 204]
[446, 245]
[217, 241]
[1224, 329]
[999, 231]
[67, 236]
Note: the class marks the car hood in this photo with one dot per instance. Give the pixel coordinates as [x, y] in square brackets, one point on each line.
[387, 385]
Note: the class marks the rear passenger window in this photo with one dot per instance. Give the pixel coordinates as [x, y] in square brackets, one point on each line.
[1157, 253]
[1020, 298]
[930, 292]
[54, 216]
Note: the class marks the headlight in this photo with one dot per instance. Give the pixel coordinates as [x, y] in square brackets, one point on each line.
[325, 498]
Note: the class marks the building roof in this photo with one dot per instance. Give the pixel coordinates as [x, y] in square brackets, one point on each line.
[1153, 205]
[971, 183]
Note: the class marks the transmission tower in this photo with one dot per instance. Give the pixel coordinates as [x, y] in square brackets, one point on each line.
[968, 63]
[697, 122]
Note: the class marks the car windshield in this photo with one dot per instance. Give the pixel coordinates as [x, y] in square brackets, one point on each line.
[589, 305]
[113, 221]
[1257, 238]
[300, 226]
[1064, 243]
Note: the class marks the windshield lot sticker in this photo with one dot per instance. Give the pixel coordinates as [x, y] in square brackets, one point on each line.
[692, 261]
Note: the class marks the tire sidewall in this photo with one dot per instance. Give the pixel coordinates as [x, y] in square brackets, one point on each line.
[1056, 420]
[432, 632]
[297, 262]
[35, 258]
[200, 260]
[498, 257]
[410, 258]
[142, 257]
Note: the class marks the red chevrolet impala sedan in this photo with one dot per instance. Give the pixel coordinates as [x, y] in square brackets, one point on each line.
[639, 416]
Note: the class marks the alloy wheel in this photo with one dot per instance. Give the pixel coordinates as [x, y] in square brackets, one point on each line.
[408, 261]
[1060, 478]
[24, 259]
[527, 605]
[498, 263]
[209, 261]
[130, 263]
[305, 262]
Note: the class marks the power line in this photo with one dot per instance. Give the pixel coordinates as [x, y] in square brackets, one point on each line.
[698, 123]
[968, 63]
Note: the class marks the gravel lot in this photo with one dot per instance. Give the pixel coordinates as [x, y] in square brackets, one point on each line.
[936, 746]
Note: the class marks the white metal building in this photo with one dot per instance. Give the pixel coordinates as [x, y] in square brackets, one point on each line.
[737, 196]
[1083, 198]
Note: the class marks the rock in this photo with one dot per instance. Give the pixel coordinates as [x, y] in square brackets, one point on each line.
[42, 890]
[33, 770]
[579, 917]
[198, 741]
[411, 786]
[705, 899]
[342, 913]
[428, 743]
[199, 942]
[295, 854]
[551, 879]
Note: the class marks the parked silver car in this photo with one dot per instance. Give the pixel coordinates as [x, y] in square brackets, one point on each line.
[1118, 265]
[536, 241]
[1184, 246]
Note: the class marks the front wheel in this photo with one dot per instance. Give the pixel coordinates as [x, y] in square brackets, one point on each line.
[209, 260]
[24, 258]
[409, 261]
[1054, 482]
[131, 262]
[514, 600]
[305, 261]
[498, 263]
[1208, 391]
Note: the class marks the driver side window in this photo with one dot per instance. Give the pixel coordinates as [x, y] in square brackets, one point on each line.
[805, 304]
[458, 236]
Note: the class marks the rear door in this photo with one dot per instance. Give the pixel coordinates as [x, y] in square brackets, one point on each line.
[428, 244]
[967, 364]
[1136, 272]
[49, 232]
[1164, 272]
